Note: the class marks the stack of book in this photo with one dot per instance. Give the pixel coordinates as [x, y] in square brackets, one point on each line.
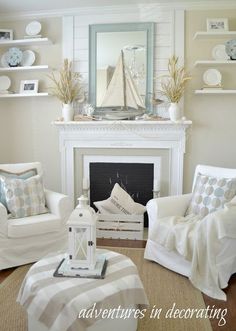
[212, 87]
[33, 37]
[65, 270]
[5, 92]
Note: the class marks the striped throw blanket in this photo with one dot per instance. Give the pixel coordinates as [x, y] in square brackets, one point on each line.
[57, 302]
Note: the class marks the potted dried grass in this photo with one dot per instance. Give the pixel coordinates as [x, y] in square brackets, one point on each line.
[173, 86]
[67, 88]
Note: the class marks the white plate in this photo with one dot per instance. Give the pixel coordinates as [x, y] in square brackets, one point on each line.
[28, 58]
[219, 53]
[33, 28]
[212, 77]
[5, 83]
[4, 62]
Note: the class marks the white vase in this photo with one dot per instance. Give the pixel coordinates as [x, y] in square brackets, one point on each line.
[174, 111]
[67, 112]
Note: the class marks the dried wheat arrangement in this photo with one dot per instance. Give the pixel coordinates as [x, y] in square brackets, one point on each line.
[67, 88]
[173, 84]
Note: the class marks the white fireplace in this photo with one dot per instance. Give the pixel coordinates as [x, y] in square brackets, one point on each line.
[124, 135]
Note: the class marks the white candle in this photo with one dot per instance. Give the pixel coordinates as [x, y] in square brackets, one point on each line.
[156, 185]
[85, 184]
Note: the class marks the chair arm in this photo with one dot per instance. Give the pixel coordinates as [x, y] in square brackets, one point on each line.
[58, 204]
[3, 219]
[169, 206]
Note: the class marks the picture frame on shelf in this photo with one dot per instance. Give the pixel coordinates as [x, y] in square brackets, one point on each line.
[217, 24]
[6, 34]
[29, 86]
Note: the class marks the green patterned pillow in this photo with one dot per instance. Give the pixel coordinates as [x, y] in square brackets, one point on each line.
[24, 197]
[21, 175]
[210, 194]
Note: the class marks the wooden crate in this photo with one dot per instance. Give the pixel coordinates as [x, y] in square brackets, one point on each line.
[120, 226]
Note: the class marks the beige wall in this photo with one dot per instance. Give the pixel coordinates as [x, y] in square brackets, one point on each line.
[26, 133]
[213, 135]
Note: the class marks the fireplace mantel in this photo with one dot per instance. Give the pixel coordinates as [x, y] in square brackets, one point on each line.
[122, 134]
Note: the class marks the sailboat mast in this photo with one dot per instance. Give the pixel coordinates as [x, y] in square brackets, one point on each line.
[124, 80]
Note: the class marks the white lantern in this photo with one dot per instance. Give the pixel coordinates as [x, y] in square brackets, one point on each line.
[82, 236]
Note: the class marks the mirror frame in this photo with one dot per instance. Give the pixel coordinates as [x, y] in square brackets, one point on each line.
[148, 27]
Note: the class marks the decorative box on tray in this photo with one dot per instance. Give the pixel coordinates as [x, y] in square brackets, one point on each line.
[120, 226]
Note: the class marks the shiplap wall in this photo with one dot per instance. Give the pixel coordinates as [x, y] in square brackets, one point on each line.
[168, 39]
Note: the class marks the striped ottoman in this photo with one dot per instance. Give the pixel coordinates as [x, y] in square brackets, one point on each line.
[82, 304]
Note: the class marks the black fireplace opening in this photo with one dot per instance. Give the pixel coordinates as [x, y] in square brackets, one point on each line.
[135, 178]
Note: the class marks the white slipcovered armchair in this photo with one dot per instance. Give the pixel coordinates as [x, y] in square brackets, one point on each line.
[161, 210]
[26, 240]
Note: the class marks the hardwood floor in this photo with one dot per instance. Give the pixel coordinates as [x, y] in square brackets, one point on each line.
[5, 273]
[230, 304]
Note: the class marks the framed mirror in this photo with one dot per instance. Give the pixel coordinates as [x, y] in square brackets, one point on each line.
[111, 45]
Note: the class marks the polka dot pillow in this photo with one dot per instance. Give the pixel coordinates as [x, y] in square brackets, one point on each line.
[210, 194]
[22, 175]
[24, 197]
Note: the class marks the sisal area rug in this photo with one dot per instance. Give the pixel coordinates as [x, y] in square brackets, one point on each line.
[164, 289]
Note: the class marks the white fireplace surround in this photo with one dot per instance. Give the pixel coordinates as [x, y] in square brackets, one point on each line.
[123, 135]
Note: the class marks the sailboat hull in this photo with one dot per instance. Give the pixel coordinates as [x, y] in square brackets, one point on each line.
[119, 114]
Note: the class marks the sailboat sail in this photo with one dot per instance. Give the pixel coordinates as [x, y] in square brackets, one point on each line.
[122, 90]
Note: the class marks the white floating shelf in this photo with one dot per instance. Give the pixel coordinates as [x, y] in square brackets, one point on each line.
[214, 35]
[25, 42]
[215, 91]
[24, 95]
[214, 62]
[26, 68]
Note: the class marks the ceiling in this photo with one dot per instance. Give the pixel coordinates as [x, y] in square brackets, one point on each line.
[14, 6]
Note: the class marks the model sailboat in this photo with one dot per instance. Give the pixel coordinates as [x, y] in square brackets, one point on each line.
[122, 92]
